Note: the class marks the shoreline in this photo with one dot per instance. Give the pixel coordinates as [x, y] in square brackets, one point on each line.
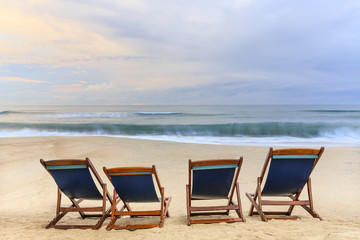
[274, 143]
[28, 193]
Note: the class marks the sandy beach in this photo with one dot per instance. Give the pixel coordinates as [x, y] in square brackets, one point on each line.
[28, 193]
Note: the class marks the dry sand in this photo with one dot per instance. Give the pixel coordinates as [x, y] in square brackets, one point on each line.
[28, 193]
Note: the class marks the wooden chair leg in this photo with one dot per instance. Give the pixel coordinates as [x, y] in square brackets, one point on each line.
[104, 198]
[58, 203]
[256, 195]
[166, 210]
[215, 210]
[105, 213]
[75, 207]
[162, 215]
[251, 210]
[53, 222]
[113, 208]
[310, 194]
[291, 208]
[311, 207]
[188, 204]
[102, 219]
[166, 205]
[111, 223]
[239, 211]
[76, 204]
[256, 206]
[60, 215]
[295, 198]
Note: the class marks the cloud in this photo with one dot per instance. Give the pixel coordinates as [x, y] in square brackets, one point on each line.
[52, 38]
[75, 87]
[154, 51]
[19, 79]
[79, 71]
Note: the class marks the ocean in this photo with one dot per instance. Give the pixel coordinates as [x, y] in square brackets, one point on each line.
[230, 125]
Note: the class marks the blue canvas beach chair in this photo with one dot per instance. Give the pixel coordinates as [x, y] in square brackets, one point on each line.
[74, 179]
[136, 185]
[288, 173]
[212, 180]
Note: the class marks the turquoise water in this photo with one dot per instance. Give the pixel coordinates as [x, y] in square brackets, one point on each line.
[239, 125]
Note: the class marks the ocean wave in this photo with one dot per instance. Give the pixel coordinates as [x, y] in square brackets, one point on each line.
[159, 113]
[229, 134]
[333, 111]
[90, 115]
[106, 114]
[265, 129]
[64, 115]
[7, 112]
[21, 112]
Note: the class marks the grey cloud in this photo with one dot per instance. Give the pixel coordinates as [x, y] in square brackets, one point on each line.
[309, 51]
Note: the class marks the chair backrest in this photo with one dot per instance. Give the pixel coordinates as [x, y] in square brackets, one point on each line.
[213, 179]
[289, 170]
[73, 177]
[134, 184]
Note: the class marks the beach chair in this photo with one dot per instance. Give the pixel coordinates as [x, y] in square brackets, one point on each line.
[214, 180]
[136, 185]
[288, 173]
[74, 179]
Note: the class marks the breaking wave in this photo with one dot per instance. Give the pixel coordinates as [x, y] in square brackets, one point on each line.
[265, 129]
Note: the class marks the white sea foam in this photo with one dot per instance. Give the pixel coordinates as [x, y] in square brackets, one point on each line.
[27, 132]
[239, 141]
[231, 125]
[90, 115]
[159, 113]
[254, 141]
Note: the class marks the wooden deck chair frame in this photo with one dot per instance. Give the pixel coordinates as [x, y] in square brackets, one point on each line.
[215, 210]
[257, 201]
[125, 210]
[75, 206]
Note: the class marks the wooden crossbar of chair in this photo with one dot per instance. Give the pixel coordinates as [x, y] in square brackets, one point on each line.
[75, 206]
[126, 210]
[215, 210]
[256, 198]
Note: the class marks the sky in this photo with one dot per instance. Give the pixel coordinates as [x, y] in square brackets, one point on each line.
[82, 52]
